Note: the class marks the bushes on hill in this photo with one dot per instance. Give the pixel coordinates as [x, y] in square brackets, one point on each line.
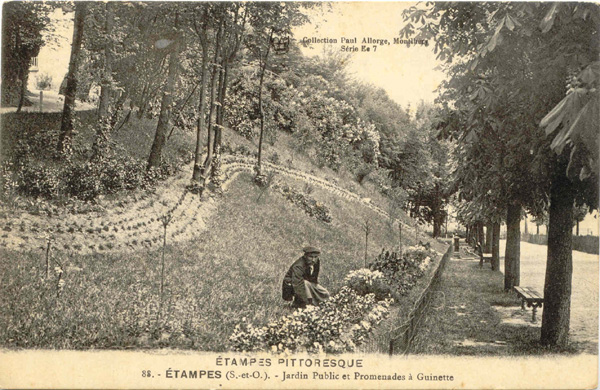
[38, 180]
[84, 180]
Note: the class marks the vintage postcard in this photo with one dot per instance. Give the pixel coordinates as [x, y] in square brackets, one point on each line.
[299, 195]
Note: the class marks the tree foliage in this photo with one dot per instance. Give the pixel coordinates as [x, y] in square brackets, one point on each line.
[24, 26]
[519, 135]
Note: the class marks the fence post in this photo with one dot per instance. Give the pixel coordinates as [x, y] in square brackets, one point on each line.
[41, 101]
[48, 259]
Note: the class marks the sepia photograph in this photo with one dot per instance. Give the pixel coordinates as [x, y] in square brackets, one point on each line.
[299, 195]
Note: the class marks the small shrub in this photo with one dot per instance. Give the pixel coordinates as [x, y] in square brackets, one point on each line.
[82, 181]
[362, 172]
[243, 150]
[38, 180]
[43, 81]
[308, 204]
[308, 188]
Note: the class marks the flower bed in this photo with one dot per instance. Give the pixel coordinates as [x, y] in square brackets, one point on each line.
[343, 322]
[335, 326]
[402, 270]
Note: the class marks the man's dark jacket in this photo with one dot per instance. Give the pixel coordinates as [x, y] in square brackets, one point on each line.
[293, 281]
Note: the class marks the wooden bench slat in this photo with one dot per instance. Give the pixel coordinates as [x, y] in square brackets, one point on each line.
[535, 293]
[532, 297]
[529, 294]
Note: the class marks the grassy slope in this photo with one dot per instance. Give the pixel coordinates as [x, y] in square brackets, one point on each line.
[231, 271]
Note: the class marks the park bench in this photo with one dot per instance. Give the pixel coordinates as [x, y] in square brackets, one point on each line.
[482, 257]
[533, 299]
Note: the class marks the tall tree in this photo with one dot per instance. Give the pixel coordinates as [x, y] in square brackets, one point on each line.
[268, 20]
[202, 32]
[263, 56]
[171, 42]
[66, 127]
[216, 71]
[104, 127]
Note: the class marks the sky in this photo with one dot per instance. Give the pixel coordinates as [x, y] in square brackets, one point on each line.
[406, 73]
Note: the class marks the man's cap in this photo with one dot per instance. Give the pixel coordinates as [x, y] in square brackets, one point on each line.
[311, 249]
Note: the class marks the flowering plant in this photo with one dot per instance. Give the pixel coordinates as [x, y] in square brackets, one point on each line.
[402, 270]
[305, 202]
[364, 281]
[337, 325]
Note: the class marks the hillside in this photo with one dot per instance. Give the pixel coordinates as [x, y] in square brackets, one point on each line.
[225, 257]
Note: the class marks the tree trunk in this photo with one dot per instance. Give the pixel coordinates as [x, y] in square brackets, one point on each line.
[211, 119]
[559, 267]
[480, 235]
[24, 80]
[166, 104]
[23, 75]
[262, 122]
[260, 103]
[513, 247]
[66, 127]
[103, 128]
[577, 228]
[488, 238]
[196, 176]
[468, 235]
[106, 87]
[537, 230]
[211, 112]
[496, 246]
[221, 108]
[436, 228]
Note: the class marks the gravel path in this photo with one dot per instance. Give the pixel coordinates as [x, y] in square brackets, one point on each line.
[584, 298]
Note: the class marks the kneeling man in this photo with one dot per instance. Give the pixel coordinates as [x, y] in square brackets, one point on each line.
[300, 283]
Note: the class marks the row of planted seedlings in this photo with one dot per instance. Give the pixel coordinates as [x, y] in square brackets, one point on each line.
[128, 216]
[165, 221]
[55, 307]
[136, 223]
[238, 163]
[249, 163]
[136, 227]
[128, 232]
[344, 322]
